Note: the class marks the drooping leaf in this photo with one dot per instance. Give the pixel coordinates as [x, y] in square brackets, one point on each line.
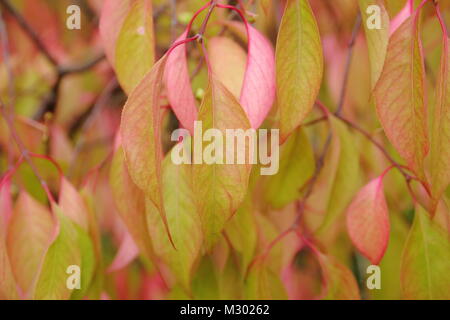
[258, 91]
[440, 147]
[112, 16]
[299, 60]
[228, 62]
[219, 188]
[183, 220]
[28, 239]
[130, 202]
[426, 260]
[178, 85]
[401, 17]
[6, 209]
[127, 252]
[263, 283]
[377, 39]
[399, 96]
[140, 130]
[297, 165]
[368, 221]
[62, 253]
[135, 48]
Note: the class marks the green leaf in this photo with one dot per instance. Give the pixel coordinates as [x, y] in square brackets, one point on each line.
[183, 220]
[135, 47]
[29, 236]
[400, 96]
[219, 188]
[377, 39]
[299, 65]
[8, 289]
[262, 283]
[440, 147]
[426, 260]
[63, 252]
[297, 165]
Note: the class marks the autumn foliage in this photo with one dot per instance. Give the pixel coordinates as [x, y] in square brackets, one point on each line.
[354, 95]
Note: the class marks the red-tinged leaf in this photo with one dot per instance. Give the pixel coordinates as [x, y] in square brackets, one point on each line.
[377, 39]
[228, 63]
[72, 204]
[8, 289]
[219, 188]
[128, 251]
[263, 283]
[183, 220]
[401, 17]
[113, 15]
[5, 206]
[400, 96]
[132, 211]
[135, 47]
[299, 65]
[258, 91]
[440, 146]
[29, 236]
[340, 284]
[178, 85]
[63, 252]
[368, 221]
[426, 260]
[140, 129]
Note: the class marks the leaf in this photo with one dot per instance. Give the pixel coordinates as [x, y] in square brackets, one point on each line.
[258, 91]
[368, 221]
[140, 130]
[401, 17]
[135, 48]
[440, 148]
[340, 283]
[426, 260]
[28, 239]
[228, 63]
[299, 61]
[183, 220]
[297, 165]
[262, 283]
[128, 251]
[131, 211]
[178, 85]
[219, 188]
[6, 209]
[112, 16]
[63, 252]
[341, 175]
[399, 96]
[72, 204]
[8, 289]
[377, 39]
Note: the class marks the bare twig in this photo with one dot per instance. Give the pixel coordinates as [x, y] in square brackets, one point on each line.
[351, 45]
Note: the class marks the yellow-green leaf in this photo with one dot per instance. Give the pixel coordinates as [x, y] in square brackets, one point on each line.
[297, 165]
[183, 220]
[426, 260]
[219, 188]
[299, 65]
[135, 47]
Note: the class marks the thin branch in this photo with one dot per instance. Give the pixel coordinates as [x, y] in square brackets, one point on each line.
[351, 45]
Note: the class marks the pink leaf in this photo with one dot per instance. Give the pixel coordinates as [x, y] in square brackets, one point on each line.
[258, 91]
[401, 17]
[128, 251]
[5, 205]
[368, 221]
[178, 85]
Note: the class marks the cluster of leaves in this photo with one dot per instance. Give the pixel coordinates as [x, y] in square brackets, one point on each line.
[364, 120]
